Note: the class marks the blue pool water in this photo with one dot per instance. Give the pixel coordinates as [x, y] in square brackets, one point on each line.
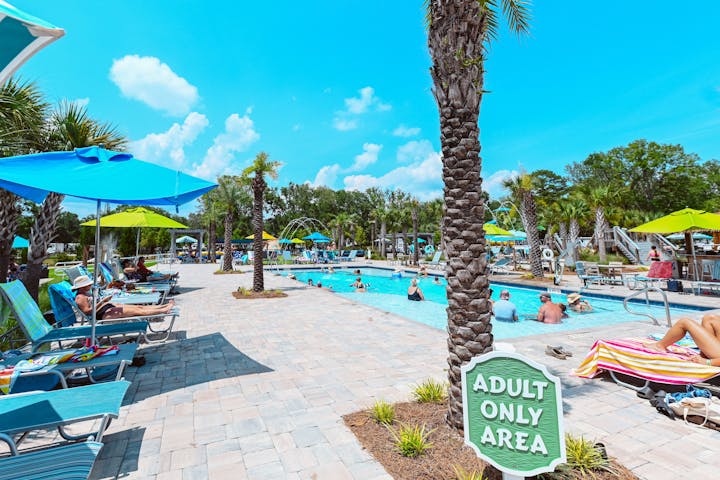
[388, 293]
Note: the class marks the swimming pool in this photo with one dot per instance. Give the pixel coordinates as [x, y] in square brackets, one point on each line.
[390, 294]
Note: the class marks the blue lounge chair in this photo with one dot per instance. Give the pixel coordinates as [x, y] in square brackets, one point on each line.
[15, 299]
[501, 266]
[110, 274]
[435, 262]
[586, 278]
[68, 462]
[350, 256]
[62, 300]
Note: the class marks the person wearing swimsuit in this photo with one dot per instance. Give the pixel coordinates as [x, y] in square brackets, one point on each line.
[414, 293]
[105, 310]
[653, 255]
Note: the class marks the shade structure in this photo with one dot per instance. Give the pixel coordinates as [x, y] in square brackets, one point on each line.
[21, 36]
[491, 229]
[138, 218]
[94, 173]
[695, 236]
[285, 241]
[186, 239]
[265, 236]
[20, 242]
[297, 241]
[317, 237]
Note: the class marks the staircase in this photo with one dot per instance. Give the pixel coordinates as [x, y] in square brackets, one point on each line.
[643, 248]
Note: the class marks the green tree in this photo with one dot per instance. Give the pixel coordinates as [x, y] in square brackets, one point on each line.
[598, 199]
[229, 196]
[256, 173]
[521, 188]
[458, 35]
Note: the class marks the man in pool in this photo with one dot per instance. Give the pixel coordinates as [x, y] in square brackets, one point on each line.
[505, 310]
[549, 312]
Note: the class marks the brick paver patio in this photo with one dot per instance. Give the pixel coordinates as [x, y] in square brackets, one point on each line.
[256, 390]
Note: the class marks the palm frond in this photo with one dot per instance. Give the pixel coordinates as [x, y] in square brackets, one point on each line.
[518, 15]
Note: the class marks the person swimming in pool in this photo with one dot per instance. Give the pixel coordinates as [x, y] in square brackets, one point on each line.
[358, 285]
[413, 292]
[436, 280]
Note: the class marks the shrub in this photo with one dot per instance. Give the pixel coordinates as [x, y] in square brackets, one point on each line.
[462, 474]
[430, 391]
[410, 440]
[383, 412]
[584, 459]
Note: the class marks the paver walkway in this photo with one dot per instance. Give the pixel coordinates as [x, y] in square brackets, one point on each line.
[256, 390]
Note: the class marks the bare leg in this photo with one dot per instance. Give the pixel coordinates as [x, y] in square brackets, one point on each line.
[711, 323]
[708, 344]
[140, 310]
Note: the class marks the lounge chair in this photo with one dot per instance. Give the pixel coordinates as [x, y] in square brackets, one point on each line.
[15, 299]
[67, 462]
[110, 274]
[501, 266]
[435, 260]
[23, 413]
[350, 256]
[62, 300]
[305, 257]
[631, 357]
[658, 272]
[587, 278]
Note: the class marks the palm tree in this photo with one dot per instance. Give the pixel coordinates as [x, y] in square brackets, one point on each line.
[260, 167]
[340, 223]
[414, 207]
[68, 127]
[458, 34]
[228, 197]
[22, 116]
[580, 211]
[598, 198]
[210, 216]
[521, 188]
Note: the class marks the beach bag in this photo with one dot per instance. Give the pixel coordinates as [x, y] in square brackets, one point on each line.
[674, 286]
[706, 408]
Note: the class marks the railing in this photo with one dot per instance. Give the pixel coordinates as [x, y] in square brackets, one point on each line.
[646, 290]
[660, 240]
[626, 244]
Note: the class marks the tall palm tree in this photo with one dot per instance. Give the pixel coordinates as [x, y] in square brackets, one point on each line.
[340, 222]
[458, 34]
[521, 188]
[22, 116]
[228, 197]
[580, 211]
[598, 198]
[210, 217]
[415, 214]
[260, 167]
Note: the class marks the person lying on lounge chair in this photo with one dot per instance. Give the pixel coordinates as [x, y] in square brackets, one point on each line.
[106, 310]
[706, 335]
[147, 275]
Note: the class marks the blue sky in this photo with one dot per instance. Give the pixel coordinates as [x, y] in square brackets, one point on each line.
[340, 93]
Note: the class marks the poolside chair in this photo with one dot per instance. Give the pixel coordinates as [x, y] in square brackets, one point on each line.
[435, 259]
[587, 278]
[305, 257]
[15, 300]
[62, 300]
[501, 266]
[67, 462]
[110, 273]
[658, 272]
[630, 356]
[350, 256]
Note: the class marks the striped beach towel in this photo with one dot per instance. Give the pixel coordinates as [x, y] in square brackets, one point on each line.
[631, 357]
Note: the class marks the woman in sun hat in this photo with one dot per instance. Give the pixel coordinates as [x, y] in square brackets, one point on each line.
[577, 304]
[83, 298]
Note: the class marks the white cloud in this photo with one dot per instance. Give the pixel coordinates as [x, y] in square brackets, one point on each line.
[326, 176]
[403, 131]
[422, 177]
[239, 134]
[344, 125]
[81, 102]
[344, 120]
[368, 157]
[170, 145]
[414, 151]
[494, 183]
[154, 83]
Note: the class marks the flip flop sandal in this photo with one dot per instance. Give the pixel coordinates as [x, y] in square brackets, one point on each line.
[600, 447]
[567, 353]
[658, 401]
[555, 352]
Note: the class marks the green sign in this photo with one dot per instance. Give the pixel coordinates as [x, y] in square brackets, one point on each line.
[513, 413]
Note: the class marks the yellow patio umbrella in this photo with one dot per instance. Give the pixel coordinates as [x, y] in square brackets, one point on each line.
[492, 229]
[265, 236]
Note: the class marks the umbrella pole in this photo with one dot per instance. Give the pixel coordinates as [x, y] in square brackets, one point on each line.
[96, 270]
[695, 266]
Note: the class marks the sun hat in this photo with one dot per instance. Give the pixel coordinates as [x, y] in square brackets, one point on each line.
[573, 297]
[81, 281]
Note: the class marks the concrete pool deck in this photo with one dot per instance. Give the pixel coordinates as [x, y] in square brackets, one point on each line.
[255, 389]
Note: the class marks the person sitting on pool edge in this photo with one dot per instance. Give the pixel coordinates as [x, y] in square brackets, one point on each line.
[549, 312]
[504, 309]
[706, 335]
[83, 298]
[578, 305]
[423, 272]
[413, 292]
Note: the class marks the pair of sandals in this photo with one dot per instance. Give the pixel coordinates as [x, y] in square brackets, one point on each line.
[657, 400]
[557, 352]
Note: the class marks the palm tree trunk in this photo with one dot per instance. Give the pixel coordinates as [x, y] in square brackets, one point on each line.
[600, 233]
[258, 278]
[42, 233]
[211, 243]
[9, 216]
[530, 215]
[383, 232]
[227, 251]
[563, 234]
[416, 245]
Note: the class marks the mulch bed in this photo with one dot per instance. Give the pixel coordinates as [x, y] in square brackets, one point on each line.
[250, 295]
[231, 272]
[448, 448]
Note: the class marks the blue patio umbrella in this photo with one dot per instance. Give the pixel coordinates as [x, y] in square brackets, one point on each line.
[95, 173]
[20, 242]
[285, 241]
[21, 37]
[317, 237]
[695, 236]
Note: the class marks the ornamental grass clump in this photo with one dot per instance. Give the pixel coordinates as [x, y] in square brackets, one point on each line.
[584, 460]
[383, 412]
[411, 440]
[430, 391]
[462, 474]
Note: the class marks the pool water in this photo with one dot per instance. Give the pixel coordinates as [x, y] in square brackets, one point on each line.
[387, 292]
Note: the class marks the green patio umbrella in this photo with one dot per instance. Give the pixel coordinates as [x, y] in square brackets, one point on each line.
[136, 218]
[685, 220]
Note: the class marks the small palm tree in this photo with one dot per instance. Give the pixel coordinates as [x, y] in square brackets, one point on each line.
[414, 205]
[256, 173]
[598, 198]
[521, 188]
[228, 196]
